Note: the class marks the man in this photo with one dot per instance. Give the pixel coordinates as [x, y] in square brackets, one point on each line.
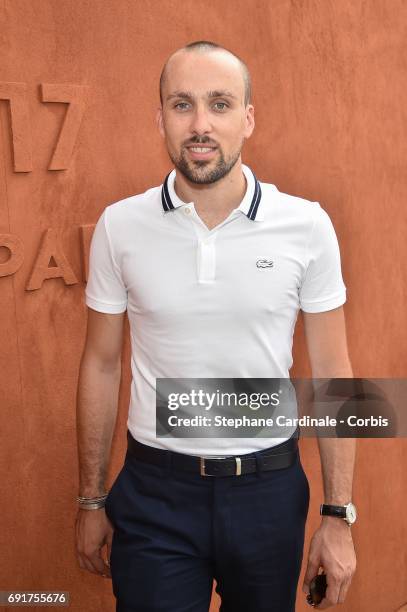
[212, 267]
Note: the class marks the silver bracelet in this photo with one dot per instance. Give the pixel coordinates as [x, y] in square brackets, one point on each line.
[92, 506]
[92, 503]
[91, 499]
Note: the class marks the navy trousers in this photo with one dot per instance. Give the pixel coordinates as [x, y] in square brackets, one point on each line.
[176, 531]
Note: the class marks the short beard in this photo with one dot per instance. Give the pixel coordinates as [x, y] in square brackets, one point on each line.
[198, 173]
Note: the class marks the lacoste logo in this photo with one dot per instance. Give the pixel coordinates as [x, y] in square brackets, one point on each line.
[264, 263]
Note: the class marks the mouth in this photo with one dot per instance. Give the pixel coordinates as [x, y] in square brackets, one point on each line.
[201, 151]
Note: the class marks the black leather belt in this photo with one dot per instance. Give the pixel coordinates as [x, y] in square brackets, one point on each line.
[274, 458]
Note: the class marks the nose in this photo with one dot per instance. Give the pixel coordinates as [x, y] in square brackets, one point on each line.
[200, 121]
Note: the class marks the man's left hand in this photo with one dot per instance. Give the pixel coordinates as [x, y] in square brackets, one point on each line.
[332, 548]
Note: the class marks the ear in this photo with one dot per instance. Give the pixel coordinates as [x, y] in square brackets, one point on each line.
[159, 121]
[249, 119]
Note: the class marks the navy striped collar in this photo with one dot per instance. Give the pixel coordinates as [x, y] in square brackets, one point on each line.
[250, 205]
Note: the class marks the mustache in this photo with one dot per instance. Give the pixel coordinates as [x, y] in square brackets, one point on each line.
[203, 140]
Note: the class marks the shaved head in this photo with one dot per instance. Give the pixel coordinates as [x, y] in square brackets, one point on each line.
[205, 46]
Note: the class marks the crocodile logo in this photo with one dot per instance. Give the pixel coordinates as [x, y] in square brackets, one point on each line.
[264, 263]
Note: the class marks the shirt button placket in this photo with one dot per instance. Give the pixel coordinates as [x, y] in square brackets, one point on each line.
[207, 261]
[206, 252]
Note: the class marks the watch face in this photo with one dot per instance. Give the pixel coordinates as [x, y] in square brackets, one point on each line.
[350, 513]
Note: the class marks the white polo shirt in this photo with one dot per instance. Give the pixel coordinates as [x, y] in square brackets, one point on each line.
[218, 303]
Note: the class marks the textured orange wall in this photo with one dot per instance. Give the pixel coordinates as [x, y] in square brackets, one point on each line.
[329, 92]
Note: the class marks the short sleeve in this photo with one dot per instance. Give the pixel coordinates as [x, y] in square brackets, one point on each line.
[105, 290]
[322, 287]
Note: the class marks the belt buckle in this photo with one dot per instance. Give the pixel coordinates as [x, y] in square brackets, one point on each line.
[202, 466]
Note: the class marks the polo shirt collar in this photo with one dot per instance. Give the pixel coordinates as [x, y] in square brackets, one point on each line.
[250, 205]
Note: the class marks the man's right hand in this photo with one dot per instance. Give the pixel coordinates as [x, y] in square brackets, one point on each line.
[93, 531]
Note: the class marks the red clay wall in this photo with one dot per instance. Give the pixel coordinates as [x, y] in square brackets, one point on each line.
[79, 133]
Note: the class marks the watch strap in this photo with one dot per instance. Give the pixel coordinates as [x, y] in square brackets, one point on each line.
[329, 510]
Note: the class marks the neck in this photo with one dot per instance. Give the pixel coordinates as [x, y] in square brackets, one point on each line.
[222, 196]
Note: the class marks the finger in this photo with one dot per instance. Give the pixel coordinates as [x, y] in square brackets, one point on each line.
[93, 562]
[332, 593]
[108, 552]
[344, 590]
[106, 572]
[88, 565]
[99, 564]
[109, 539]
[85, 563]
[81, 563]
[311, 572]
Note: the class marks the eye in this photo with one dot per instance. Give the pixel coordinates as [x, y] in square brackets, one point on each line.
[223, 105]
[181, 105]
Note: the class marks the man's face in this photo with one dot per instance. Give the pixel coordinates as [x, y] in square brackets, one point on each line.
[203, 118]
